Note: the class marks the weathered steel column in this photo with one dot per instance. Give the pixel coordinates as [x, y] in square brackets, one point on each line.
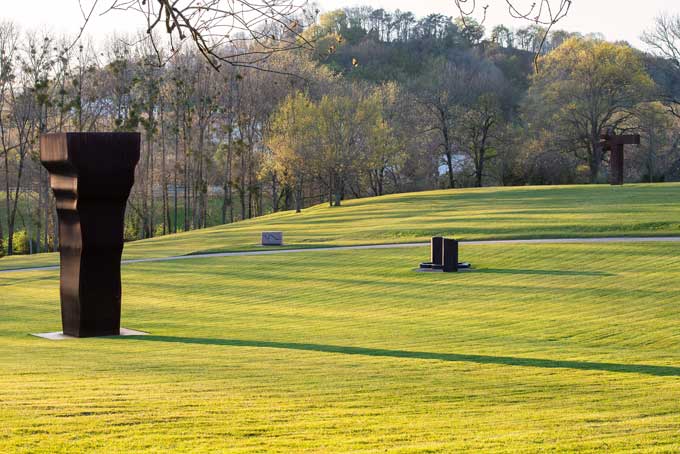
[450, 256]
[617, 169]
[91, 175]
[615, 145]
[436, 250]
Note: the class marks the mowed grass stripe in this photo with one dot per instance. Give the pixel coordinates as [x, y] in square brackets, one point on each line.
[466, 214]
[544, 348]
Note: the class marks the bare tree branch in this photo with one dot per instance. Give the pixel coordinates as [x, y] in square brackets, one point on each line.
[241, 33]
[540, 12]
[664, 41]
[86, 14]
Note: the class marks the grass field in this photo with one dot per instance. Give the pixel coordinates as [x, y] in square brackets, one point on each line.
[488, 213]
[545, 348]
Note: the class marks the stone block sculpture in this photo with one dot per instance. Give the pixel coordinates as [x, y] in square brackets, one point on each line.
[91, 175]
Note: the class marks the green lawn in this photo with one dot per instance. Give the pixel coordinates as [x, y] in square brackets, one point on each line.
[546, 348]
[489, 213]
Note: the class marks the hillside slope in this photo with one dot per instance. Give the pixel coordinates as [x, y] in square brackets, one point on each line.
[466, 214]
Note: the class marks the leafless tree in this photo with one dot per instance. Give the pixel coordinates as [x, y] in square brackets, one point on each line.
[241, 33]
[664, 40]
[8, 47]
[545, 13]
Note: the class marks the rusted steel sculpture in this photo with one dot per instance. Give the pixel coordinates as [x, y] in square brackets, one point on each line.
[91, 175]
[444, 257]
[450, 256]
[614, 144]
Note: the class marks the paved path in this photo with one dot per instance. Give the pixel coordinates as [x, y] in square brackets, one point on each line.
[379, 246]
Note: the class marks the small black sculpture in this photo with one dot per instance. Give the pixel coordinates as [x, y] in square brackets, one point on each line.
[444, 257]
[91, 175]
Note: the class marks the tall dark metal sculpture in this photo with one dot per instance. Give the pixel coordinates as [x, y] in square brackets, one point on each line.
[91, 175]
[615, 145]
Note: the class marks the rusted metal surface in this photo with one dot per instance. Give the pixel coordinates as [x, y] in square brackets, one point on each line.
[450, 256]
[436, 250]
[91, 175]
[443, 257]
[614, 144]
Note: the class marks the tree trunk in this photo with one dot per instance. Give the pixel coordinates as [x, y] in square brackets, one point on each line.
[201, 194]
[7, 204]
[229, 182]
[595, 160]
[479, 171]
[298, 198]
[449, 154]
[275, 193]
[46, 208]
[174, 173]
[339, 190]
[242, 185]
[331, 179]
[287, 199]
[250, 194]
[152, 204]
[39, 211]
[449, 164]
[2, 240]
[225, 200]
[186, 180]
[12, 205]
[164, 181]
[27, 224]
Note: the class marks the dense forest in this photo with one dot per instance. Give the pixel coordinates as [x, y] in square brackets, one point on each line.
[384, 103]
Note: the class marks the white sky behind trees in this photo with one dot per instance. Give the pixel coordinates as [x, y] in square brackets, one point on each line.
[616, 19]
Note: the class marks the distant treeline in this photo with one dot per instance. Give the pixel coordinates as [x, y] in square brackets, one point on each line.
[385, 103]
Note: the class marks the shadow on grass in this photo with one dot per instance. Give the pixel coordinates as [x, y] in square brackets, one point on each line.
[15, 281]
[660, 371]
[546, 272]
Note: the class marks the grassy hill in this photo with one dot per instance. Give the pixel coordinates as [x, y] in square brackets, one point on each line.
[545, 348]
[488, 213]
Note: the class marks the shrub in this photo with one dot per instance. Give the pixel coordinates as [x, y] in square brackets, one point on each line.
[132, 231]
[158, 231]
[20, 243]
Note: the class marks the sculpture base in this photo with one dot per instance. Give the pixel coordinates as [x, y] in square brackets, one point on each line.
[61, 336]
[435, 267]
[432, 268]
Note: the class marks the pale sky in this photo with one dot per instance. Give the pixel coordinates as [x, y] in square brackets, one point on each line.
[616, 19]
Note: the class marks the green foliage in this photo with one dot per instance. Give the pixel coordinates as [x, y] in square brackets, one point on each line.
[159, 230]
[341, 134]
[584, 69]
[20, 242]
[472, 31]
[132, 230]
[650, 161]
[292, 138]
[581, 89]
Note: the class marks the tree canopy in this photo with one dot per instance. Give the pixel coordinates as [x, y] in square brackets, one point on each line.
[584, 87]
